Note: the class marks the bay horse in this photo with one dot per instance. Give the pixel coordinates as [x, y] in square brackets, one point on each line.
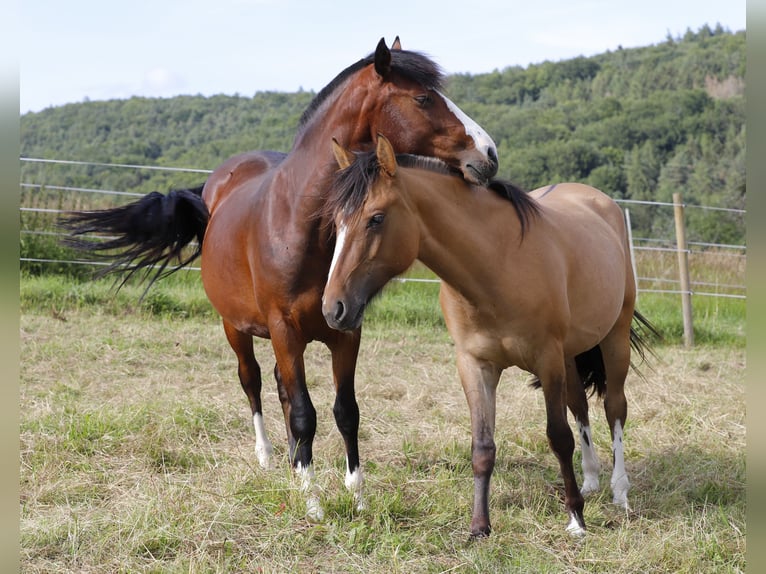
[265, 257]
[542, 281]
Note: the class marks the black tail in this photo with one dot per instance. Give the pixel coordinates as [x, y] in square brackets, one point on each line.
[640, 334]
[590, 364]
[590, 367]
[147, 234]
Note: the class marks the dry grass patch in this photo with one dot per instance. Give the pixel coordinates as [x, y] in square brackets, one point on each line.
[137, 455]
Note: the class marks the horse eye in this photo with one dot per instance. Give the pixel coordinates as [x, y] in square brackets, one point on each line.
[376, 220]
[424, 100]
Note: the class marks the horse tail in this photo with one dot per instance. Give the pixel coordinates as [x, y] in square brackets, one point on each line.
[590, 367]
[590, 364]
[145, 235]
[641, 332]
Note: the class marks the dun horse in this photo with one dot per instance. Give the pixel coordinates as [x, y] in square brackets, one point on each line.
[265, 256]
[540, 281]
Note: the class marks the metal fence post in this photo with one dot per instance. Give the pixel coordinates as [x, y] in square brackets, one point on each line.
[683, 270]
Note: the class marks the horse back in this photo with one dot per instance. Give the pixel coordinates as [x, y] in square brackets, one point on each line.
[231, 174]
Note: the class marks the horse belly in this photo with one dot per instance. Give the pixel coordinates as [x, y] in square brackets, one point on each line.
[597, 292]
[227, 273]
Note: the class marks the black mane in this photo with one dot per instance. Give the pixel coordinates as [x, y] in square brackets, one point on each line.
[413, 65]
[349, 186]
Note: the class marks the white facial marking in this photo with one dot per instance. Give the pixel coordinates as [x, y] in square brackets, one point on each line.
[263, 448]
[481, 138]
[590, 463]
[339, 241]
[620, 483]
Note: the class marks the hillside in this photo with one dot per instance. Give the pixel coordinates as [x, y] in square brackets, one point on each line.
[638, 123]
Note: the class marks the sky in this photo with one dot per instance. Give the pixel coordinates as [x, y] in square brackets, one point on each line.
[79, 50]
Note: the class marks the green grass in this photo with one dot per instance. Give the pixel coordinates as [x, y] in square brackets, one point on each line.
[717, 321]
[137, 453]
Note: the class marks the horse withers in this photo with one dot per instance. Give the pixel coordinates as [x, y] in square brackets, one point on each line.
[542, 281]
[264, 254]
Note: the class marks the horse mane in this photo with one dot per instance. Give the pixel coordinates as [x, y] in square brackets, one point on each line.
[413, 65]
[526, 206]
[349, 186]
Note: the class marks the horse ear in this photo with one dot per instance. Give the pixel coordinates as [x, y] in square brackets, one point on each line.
[397, 45]
[382, 59]
[343, 156]
[386, 155]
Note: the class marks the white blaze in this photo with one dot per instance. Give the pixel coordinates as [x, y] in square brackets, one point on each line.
[341, 239]
[481, 138]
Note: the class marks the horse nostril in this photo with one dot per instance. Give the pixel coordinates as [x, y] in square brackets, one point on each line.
[492, 155]
[340, 310]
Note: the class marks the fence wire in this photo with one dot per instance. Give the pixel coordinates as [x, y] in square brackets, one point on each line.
[639, 244]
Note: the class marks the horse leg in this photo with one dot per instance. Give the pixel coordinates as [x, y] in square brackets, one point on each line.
[345, 350]
[577, 401]
[479, 379]
[616, 352]
[552, 375]
[288, 348]
[250, 378]
[284, 400]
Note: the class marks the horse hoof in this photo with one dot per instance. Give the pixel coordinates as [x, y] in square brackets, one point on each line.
[620, 489]
[354, 482]
[265, 458]
[314, 510]
[589, 487]
[621, 501]
[480, 533]
[576, 526]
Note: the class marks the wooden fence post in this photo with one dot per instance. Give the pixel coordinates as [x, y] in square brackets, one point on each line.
[683, 270]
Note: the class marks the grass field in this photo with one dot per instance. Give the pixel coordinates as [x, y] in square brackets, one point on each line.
[137, 451]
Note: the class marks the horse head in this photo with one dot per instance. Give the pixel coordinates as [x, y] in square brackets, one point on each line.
[377, 233]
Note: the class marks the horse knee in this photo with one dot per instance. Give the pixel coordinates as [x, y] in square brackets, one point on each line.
[303, 421]
[483, 453]
[561, 439]
[346, 411]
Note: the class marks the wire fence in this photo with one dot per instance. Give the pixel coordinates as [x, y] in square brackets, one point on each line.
[717, 269]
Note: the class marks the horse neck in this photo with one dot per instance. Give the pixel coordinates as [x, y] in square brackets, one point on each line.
[311, 160]
[340, 117]
[460, 228]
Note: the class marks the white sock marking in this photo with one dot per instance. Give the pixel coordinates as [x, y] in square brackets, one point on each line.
[263, 448]
[620, 483]
[314, 510]
[354, 483]
[590, 462]
[574, 527]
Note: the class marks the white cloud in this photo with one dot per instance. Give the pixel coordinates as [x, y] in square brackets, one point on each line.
[161, 81]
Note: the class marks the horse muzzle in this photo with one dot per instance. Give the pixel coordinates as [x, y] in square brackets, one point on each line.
[341, 315]
[480, 170]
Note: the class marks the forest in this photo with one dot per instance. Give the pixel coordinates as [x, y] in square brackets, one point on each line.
[639, 123]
